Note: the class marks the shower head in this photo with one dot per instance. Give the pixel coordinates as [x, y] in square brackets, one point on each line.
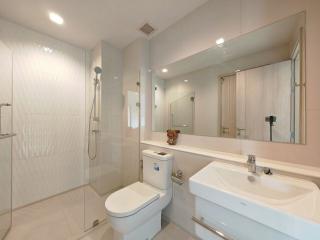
[98, 70]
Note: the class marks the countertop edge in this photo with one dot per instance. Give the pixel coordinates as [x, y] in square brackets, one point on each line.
[239, 158]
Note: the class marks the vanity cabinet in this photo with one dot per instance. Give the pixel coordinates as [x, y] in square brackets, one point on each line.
[234, 226]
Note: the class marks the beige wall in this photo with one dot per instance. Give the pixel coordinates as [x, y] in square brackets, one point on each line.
[199, 30]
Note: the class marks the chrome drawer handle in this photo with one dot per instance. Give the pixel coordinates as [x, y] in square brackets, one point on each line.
[211, 229]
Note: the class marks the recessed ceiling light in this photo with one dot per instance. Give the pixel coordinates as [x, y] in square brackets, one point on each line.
[186, 80]
[220, 41]
[47, 50]
[115, 77]
[56, 18]
[238, 70]
[164, 70]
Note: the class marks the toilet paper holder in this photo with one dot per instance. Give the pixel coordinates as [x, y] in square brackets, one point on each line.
[177, 177]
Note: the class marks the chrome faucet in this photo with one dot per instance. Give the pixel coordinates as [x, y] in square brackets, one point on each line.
[251, 162]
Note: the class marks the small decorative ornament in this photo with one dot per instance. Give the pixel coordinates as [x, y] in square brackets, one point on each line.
[172, 136]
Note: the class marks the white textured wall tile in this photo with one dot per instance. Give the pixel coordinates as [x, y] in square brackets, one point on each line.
[49, 112]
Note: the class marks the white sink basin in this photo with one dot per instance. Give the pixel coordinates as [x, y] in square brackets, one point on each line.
[287, 204]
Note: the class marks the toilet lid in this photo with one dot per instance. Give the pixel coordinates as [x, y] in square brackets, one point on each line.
[131, 199]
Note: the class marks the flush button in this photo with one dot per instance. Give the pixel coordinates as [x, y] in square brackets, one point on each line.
[162, 153]
[156, 167]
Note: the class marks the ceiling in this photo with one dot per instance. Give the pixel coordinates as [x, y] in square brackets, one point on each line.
[89, 21]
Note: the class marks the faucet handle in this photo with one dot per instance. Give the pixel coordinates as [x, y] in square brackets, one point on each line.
[251, 158]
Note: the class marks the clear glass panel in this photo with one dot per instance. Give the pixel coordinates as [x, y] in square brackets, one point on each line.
[97, 166]
[133, 109]
[5, 139]
[297, 107]
[113, 135]
[182, 113]
[5, 184]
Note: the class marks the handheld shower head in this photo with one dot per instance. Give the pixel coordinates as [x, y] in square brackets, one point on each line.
[94, 115]
[98, 70]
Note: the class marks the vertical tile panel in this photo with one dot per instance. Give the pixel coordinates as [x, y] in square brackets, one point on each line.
[49, 107]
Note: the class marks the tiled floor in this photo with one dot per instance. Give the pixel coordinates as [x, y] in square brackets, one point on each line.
[169, 232]
[62, 218]
[59, 217]
[4, 223]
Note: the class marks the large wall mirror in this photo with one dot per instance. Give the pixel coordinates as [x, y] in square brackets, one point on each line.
[250, 87]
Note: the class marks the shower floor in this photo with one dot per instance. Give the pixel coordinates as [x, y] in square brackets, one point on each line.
[61, 218]
[58, 217]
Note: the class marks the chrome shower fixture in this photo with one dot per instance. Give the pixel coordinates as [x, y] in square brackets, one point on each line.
[94, 117]
[98, 70]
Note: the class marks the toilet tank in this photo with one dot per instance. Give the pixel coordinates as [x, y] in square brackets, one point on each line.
[157, 169]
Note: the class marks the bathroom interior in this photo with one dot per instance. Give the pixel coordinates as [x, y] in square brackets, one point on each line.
[148, 119]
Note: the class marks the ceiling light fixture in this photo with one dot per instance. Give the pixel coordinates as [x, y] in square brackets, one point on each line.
[56, 18]
[164, 70]
[186, 80]
[220, 41]
[47, 50]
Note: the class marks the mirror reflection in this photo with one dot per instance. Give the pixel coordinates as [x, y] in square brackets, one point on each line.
[250, 87]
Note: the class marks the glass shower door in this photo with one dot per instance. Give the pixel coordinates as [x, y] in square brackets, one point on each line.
[116, 163]
[5, 138]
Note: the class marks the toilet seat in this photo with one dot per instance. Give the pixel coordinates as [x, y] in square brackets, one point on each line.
[131, 199]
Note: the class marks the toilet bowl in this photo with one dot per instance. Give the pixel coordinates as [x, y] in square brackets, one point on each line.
[135, 211]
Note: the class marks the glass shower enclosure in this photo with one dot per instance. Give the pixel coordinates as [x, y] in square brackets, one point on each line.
[5, 139]
[113, 138]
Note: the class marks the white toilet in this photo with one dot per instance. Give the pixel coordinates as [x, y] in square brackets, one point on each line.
[135, 211]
